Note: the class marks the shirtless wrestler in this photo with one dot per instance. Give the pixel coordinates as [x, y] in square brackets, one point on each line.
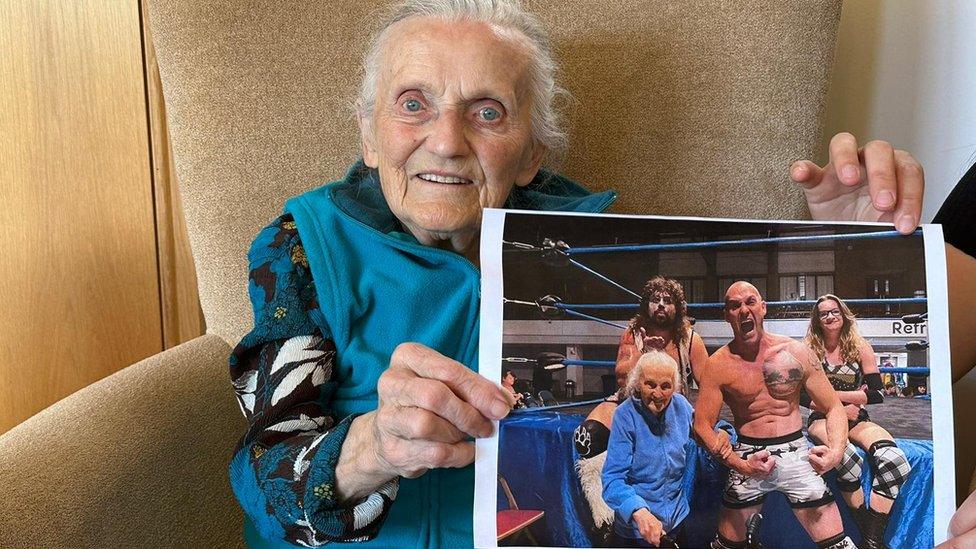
[760, 376]
[663, 313]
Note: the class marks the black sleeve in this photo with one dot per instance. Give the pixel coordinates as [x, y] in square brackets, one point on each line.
[956, 214]
[875, 390]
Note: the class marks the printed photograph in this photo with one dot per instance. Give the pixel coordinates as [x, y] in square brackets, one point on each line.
[717, 384]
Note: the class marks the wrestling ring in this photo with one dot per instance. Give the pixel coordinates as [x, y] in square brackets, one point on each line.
[540, 439]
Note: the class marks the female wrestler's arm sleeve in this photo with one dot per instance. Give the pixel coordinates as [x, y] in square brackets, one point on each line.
[283, 470]
[872, 375]
[619, 495]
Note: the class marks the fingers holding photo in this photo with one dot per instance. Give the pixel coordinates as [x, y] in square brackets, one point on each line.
[875, 182]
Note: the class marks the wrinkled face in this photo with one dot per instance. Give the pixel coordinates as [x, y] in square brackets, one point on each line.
[661, 309]
[745, 311]
[656, 387]
[830, 316]
[450, 133]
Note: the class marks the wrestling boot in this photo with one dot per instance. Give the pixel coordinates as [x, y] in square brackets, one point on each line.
[752, 531]
[858, 514]
[873, 525]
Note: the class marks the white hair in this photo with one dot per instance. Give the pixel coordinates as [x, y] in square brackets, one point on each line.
[652, 358]
[545, 117]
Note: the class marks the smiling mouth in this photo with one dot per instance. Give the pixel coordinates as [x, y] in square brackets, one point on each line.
[443, 179]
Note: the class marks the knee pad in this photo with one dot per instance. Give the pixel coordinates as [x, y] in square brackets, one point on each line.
[890, 467]
[849, 469]
[840, 541]
[591, 438]
[720, 542]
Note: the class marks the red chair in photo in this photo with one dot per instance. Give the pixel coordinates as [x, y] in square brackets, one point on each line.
[513, 521]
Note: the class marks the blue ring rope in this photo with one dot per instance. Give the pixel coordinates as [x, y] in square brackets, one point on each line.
[914, 370]
[573, 362]
[602, 277]
[595, 319]
[717, 305]
[557, 406]
[723, 243]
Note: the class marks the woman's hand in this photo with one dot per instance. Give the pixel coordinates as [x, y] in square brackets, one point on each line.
[723, 444]
[648, 525]
[429, 408]
[962, 527]
[874, 183]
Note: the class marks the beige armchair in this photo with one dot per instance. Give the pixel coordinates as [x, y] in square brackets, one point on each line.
[686, 108]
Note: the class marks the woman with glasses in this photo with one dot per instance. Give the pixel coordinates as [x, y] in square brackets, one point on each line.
[849, 362]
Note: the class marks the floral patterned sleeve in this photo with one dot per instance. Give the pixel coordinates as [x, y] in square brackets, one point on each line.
[283, 470]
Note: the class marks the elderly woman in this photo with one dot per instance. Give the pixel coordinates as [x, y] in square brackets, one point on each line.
[852, 369]
[644, 471]
[356, 379]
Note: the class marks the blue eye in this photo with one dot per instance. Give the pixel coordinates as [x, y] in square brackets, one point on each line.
[489, 114]
[412, 105]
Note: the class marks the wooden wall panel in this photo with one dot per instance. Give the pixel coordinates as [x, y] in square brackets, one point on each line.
[181, 314]
[79, 291]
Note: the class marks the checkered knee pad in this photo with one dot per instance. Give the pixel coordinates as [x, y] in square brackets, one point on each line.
[849, 469]
[840, 541]
[890, 466]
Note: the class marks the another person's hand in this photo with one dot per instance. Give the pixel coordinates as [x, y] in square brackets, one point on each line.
[873, 183]
[429, 407]
[649, 526]
[723, 444]
[761, 464]
[962, 527]
[823, 459]
[852, 410]
[651, 343]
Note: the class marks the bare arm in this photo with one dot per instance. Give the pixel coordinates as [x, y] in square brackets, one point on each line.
[824, 398]
[707, 408]
[698, 356]
[627, 354]
[852, 397]
[961, 271]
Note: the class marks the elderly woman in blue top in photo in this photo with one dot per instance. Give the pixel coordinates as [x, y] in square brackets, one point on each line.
[356, 380]
[646, 456]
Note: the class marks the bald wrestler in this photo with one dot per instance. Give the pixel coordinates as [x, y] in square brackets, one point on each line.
[760, 376]
[662, 314]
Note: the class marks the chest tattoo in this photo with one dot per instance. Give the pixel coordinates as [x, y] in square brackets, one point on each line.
[783, 374]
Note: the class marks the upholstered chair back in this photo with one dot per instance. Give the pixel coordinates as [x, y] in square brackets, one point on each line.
[692, 108]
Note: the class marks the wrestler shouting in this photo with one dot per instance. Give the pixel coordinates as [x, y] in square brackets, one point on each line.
[760, 376]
